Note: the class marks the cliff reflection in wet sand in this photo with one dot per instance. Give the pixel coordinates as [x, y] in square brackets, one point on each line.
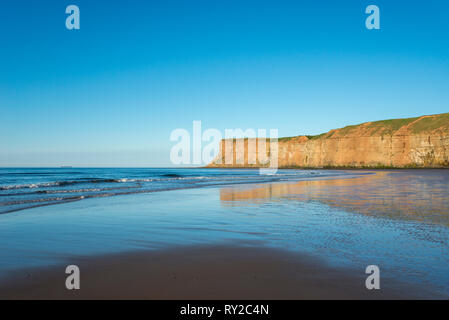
[420, 195]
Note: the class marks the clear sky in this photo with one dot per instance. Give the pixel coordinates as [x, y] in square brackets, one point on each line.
[110, 93]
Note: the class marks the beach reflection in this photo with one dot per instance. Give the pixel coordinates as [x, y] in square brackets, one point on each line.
[420, 195]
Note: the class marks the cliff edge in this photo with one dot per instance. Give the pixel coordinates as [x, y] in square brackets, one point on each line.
[421, 142]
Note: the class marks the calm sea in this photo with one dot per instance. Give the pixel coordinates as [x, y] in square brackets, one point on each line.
[31, 187]
[395, 219]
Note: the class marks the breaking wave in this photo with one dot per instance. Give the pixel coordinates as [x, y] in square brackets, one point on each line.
[27, 188]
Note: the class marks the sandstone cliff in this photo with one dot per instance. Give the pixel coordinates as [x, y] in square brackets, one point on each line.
[413, 142]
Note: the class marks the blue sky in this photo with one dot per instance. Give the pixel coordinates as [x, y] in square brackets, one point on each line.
[110, 93]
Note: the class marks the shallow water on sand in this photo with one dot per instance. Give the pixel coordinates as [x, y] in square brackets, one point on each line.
[25, 188]
[397, 220]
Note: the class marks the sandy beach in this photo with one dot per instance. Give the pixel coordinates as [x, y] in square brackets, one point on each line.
[311, 237]
[207, 272]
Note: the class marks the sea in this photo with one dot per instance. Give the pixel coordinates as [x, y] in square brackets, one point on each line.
[397, 220]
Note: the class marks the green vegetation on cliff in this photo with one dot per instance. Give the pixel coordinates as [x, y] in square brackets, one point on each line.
[389, 127]
[440, 121]
[420, 142]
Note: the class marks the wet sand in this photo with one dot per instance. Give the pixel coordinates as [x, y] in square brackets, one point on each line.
[207, 272]
[217, 243]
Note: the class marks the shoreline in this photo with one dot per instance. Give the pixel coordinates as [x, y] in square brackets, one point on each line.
[387, 168]
[255, 168]
[224, 184]
[318, 222]
[204, 273]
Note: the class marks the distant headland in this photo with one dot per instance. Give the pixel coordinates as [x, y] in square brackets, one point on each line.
[421, 142]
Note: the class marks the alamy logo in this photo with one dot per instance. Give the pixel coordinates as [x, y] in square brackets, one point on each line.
[73, 280]
[373, 280]
[373, 20]
[72, 21]
[239, 147]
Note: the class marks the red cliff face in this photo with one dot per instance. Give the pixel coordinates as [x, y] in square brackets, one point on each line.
[414, 142]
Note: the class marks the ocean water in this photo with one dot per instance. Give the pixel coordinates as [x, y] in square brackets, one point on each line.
[31, 187]
[398, 220]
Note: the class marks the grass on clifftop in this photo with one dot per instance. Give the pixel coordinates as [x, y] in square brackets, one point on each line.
[417, 125]
[420, 124]
[285, 139]
[318, 136]
[393, 124]
[431, 123]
